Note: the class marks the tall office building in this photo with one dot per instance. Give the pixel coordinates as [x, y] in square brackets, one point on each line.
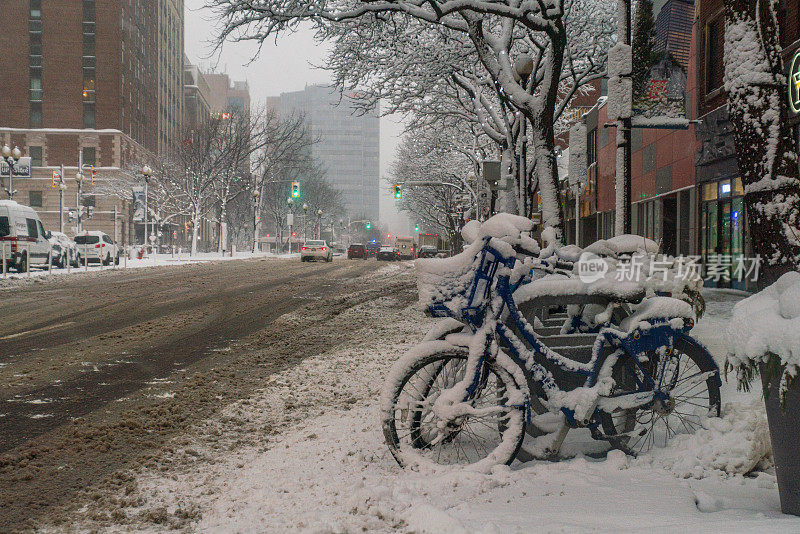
[674, 30]
[348, 147]
[225, 95]
[170, 73]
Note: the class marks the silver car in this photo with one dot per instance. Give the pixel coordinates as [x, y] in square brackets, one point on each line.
[316, 250]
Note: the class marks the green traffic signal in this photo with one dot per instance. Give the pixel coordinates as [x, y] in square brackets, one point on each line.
[416, 228]
[368, 225]
[295, 189]
[398, 191]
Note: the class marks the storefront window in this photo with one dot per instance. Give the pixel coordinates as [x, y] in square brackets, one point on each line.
[722, 219]
[710, 191]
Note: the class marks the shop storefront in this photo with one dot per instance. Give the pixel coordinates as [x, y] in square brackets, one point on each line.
[722, 230]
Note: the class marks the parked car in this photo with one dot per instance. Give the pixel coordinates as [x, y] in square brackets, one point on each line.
[316, 250]
[357, 250]
[24, 239]
[96, 246]
[387, 253]
[64, 249]
[427, 251]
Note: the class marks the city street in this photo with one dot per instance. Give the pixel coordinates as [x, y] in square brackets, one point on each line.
[99, 371]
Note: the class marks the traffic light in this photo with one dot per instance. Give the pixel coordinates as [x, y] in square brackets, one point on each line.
[295, 189]
[368, 225]
[90, 212]
[398, 191]
[56, 179]
[92, 174]
[416, 228]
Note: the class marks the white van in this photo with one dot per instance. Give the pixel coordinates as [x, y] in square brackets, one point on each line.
[22, 236]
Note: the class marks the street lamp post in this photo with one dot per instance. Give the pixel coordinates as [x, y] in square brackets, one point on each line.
[79, 208]
[305, 221]
[147, 172]
[11, 157]
[256, 194]
[290, 221]
[319, 224]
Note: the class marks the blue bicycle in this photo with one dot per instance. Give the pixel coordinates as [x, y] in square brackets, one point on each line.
[471, 397]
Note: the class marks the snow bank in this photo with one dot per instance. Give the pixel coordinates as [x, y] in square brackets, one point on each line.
[737, 443]
[768, 322]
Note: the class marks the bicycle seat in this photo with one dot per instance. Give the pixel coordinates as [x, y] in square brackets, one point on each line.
[568, 290]
[658, 308]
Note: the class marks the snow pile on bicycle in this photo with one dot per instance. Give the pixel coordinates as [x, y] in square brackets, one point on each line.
[535, 349]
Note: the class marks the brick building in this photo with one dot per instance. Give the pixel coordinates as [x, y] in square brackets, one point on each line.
[93, 80]
[686, 189]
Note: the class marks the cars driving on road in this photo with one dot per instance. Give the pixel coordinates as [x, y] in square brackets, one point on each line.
[357, 250]
[316, 250]
[427, 251]
[96, 246]
[388, 253]
[24, 240]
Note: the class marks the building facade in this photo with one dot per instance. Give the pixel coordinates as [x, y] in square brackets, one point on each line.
[348, 147]
[92, 82]
[686, 190]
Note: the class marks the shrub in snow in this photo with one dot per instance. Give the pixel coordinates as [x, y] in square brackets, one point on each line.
[765, 328]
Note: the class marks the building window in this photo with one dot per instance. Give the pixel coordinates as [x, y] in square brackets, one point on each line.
[35, 152]
[35, 199]
[36, 115]
[715, 45]
[89, 115]
[89, 155]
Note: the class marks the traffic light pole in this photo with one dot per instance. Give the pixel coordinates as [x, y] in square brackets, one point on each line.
[61, 201]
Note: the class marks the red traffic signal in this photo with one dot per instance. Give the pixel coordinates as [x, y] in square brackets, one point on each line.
[93, 173]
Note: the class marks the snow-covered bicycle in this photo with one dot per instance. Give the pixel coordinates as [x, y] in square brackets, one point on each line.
[471, 397]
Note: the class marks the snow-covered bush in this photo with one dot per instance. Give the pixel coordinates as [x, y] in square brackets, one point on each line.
[765, 328]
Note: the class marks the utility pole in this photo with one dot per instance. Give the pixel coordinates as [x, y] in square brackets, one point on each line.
[624, 128]
[61, 187]
[79, 178]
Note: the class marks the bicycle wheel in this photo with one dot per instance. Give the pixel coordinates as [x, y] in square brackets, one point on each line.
[490, 433]
[691, 399]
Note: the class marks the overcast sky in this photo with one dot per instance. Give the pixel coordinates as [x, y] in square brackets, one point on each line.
[288, 65]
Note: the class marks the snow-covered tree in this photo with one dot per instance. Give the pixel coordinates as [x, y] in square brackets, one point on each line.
[493, 29]
[758, 102]
[444, 161]
[642, 46]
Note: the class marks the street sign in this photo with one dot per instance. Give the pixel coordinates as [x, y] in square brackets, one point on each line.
[22, 169]
[491, 173]
[290, 219]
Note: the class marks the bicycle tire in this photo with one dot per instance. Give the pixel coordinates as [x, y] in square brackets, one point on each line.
[621, 428]
[405, 443]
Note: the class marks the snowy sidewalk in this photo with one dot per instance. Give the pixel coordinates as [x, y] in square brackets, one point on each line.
[154, 260]
[307, 454]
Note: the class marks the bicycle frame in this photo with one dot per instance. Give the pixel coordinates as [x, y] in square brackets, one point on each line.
[660, 334]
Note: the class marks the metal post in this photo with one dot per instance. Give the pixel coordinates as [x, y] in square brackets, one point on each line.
[5, 264]
[28, 260]
[624, 128]
[69, 260]
[146, 182]
[61, 201]
[85, 257]
[50, 262]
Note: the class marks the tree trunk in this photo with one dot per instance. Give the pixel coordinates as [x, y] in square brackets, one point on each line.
[195, 230]
[758, 105]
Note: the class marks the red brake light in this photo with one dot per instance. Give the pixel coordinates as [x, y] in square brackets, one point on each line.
[98, 245]
[323, 248]
[303, 248]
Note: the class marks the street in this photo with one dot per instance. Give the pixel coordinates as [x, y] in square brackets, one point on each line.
[99, 371]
